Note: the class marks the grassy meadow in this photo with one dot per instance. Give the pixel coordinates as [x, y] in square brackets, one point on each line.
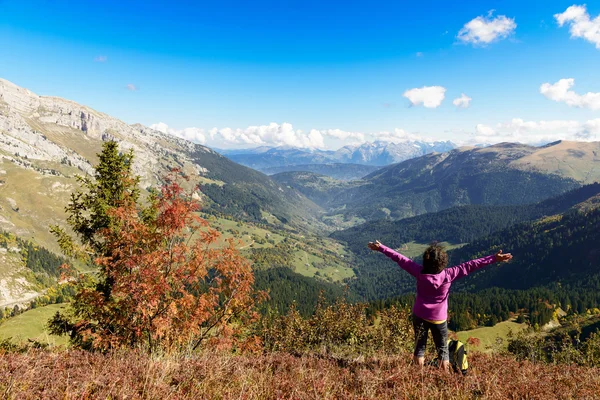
[32, 325]
[491, 338]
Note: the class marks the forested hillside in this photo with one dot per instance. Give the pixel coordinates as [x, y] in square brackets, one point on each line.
[562, 248]
[344, 172]
[286, 287]
[25, 269]
[556, 264]
[460, 224]
[378, 278]
[319, 188]
[245, 193]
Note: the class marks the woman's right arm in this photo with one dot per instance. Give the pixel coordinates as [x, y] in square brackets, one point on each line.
[404, 262]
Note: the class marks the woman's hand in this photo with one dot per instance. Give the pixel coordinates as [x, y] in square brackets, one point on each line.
[503, 257]
[375, 246]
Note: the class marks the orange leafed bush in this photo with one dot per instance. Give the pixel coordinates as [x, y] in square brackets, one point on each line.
[163, 283]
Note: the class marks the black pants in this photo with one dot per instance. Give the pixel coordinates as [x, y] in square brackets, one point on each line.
[439, 333]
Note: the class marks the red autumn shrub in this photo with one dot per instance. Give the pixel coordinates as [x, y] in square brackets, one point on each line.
[161, 281]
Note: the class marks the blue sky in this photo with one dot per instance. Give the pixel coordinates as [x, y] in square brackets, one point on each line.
[315, 73]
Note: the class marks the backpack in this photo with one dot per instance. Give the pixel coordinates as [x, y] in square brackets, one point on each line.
[458, 356]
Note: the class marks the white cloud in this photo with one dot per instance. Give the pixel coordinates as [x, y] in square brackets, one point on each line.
[560, 92]
[316, 139]
[591, 130]
[581, 26]
[484, 30]
[519, 125]
[463, 101]
[344, 135]
[397, 136]
[100, 59]
[192, 134]
[273, 135]
[131, 87]
[428, 96]
[537, 132]
[161, 127]
[484, 130]
[284, 134]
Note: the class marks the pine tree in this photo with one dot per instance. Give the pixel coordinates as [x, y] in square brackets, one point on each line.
[161, 281]
[87, 210]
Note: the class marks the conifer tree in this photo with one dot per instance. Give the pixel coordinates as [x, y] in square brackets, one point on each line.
[161, 281]
[87, 210]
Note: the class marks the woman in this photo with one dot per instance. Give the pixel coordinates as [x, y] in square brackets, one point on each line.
[430, 311]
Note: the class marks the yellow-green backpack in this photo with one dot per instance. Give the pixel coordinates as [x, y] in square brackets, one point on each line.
[458, 356]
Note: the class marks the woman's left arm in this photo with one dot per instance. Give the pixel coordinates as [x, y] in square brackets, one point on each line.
[466, 268]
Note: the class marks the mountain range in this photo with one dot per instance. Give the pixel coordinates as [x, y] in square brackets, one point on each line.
[502, 174]
[45, 141]
[377, 153]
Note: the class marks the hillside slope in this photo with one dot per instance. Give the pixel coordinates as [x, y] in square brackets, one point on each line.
[319, 188]
[503, 174]
[46, 141]
[562, 244]
[341, 171]
[563, 248]
[463, 224]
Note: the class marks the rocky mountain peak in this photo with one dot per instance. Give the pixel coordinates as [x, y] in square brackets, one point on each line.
[53, 129]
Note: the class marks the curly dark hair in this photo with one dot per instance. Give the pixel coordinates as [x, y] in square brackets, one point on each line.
[435, 259]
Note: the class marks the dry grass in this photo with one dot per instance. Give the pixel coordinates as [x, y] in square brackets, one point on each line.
[131, 375]
[575, 160]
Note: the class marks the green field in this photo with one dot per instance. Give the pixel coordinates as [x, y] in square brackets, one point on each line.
[245, 234]
[304, 264]
[249, 236]
[492, 338]
[24, 188]
[414, 249]
[32, 325]
[341, 221]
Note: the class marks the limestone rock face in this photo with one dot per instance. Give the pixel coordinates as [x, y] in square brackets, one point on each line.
[53, 129]
[46, 141]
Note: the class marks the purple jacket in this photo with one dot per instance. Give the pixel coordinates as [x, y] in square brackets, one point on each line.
[433, 289]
